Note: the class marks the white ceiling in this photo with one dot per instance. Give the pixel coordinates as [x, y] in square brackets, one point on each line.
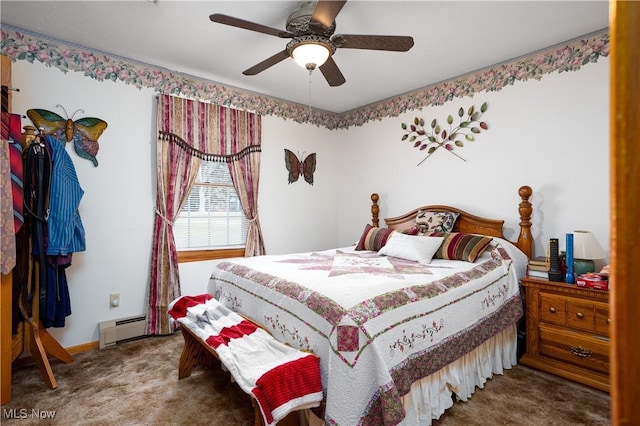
[451, 38]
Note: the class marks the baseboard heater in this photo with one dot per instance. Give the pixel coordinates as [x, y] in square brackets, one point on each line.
[121, 330]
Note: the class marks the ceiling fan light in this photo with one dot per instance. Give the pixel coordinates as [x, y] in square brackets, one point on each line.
[310, 55]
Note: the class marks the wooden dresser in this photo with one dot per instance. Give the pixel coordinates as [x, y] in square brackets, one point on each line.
[567, 331]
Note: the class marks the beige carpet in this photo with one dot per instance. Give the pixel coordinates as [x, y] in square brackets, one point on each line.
[136, 383]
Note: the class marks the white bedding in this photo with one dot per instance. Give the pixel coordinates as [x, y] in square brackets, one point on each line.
[380, 324]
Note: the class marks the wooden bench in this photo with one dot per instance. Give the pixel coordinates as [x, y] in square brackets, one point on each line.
[197, 352]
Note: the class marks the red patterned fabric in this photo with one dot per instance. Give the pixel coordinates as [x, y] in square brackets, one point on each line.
[4, 109]
[458, 246]
[11, 130]
[15, 158]
[348, 338]
[180, 306]
[280, 378]
[287, 382]
[189, 131]
[374, 238]
[227, 334]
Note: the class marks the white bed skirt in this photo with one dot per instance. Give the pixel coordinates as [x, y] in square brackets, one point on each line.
[431, 396]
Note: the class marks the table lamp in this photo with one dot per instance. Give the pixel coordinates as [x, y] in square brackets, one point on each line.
[585, 249]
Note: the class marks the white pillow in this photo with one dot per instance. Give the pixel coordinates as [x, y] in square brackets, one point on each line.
[411, 247]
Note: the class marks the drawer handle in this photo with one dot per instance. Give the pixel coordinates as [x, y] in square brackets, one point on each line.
[580, 315]
[552, 310]
[580, 352]
[608, 321]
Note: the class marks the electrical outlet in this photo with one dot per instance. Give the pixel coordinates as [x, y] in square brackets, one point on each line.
[114, 300]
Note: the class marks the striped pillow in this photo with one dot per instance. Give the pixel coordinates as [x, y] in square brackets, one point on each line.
[373, 238]
[458, 246]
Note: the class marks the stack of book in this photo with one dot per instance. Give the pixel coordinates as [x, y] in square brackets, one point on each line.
[538, 267]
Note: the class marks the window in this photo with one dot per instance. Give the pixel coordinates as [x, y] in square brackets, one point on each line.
[211, 218]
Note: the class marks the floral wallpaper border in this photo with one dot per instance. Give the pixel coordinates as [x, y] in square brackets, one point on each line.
[571, 55]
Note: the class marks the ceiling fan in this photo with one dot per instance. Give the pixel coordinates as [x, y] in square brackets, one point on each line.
[311, 29]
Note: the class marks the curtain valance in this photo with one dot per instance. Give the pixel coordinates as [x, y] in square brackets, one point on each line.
[190, 131]
[182, 144]
[209, 128]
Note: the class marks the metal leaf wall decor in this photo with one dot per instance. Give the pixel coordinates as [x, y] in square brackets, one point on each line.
[435, 136]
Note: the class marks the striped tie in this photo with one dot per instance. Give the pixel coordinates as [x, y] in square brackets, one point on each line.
[4, 130]
[11, 130]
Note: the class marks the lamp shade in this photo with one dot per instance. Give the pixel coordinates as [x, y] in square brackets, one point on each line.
[585, 246]
[310, 55]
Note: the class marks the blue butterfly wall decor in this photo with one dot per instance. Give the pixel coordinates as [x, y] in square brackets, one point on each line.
[84, 132]
[296, 167]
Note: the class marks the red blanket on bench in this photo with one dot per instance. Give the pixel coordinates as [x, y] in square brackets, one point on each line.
[281, 379]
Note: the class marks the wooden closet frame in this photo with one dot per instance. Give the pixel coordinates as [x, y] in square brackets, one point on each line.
[624, 161]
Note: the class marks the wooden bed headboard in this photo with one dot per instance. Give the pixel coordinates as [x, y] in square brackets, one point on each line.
[468, 223]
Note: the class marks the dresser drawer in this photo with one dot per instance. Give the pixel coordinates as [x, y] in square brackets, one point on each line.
[580, 349]
[581, 314]
[567, 331]
[602, 318]
[553, 309]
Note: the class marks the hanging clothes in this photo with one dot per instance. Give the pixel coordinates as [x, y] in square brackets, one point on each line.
[15, 155]
[12, 130]
[57, 231]
[7, 233]
[65, 232]
[11, 187]
[37, 174]
[57, 302]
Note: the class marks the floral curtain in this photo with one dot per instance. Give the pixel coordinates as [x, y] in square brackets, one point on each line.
[188, 132]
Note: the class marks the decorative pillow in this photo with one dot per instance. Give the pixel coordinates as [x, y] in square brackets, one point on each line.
[429, 222]
[411, 231]
[458, 246]
[411, 247]
[373, 238]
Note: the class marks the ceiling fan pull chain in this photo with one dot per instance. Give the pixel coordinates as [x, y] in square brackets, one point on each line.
[310, 113]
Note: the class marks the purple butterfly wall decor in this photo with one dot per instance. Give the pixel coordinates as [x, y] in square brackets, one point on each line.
[298, 166]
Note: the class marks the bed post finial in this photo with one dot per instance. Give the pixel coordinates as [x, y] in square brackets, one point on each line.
[525, 239]
[375, 209]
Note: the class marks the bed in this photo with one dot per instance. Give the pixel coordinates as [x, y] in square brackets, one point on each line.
[396, 335]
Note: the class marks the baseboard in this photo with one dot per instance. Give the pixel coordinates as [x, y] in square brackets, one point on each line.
[72, 350]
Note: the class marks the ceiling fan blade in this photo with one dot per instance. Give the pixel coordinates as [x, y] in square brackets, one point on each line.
[373, 42]
[326, 11]
[269, 62]
[332, 73]
[252, 26]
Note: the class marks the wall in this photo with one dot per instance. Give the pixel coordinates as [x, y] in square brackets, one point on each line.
[294, 217]
[550, 134]
[541, 133]
[117, 209]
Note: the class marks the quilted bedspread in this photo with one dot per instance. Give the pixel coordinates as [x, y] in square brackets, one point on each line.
[377, 323]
